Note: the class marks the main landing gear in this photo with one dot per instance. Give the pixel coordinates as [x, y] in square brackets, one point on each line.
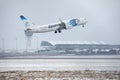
[58, 31]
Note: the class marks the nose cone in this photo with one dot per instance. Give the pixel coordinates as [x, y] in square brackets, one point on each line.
[85, 20]
[81, 21]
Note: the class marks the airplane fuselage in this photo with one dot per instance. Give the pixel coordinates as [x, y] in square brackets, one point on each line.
[69, 24]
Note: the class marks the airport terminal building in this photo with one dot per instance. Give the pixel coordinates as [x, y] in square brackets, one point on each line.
[66, 48]
[81, 47]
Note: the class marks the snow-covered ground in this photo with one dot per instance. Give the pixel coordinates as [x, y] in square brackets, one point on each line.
[59, 64]
[65, 56]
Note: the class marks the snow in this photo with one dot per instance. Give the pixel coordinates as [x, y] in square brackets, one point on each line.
[59, 64]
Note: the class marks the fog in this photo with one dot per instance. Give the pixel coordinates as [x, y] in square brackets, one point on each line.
[102, 15]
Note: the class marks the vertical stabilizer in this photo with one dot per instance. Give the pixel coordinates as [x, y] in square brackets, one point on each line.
[26, 21]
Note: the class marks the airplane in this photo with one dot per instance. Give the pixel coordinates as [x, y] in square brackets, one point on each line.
[56, 27]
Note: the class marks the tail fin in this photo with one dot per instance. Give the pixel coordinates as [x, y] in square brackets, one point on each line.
[27, 22]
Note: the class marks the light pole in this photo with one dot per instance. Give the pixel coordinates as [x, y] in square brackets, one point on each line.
[37, 43]
[3, 44]
[16, 44]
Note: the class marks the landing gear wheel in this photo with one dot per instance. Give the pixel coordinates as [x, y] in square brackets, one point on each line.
[59, 31]
[55, 31]
[83, 26]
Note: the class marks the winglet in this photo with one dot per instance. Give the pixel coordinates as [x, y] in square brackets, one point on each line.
[23, 18]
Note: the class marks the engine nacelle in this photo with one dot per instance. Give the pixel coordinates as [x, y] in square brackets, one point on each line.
[62, 25]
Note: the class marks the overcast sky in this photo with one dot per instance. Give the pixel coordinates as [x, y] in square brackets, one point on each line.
[103, 17]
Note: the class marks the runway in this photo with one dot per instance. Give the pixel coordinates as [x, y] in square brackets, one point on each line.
[59, 64]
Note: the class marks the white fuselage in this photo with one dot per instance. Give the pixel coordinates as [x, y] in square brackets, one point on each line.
[54, 26]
